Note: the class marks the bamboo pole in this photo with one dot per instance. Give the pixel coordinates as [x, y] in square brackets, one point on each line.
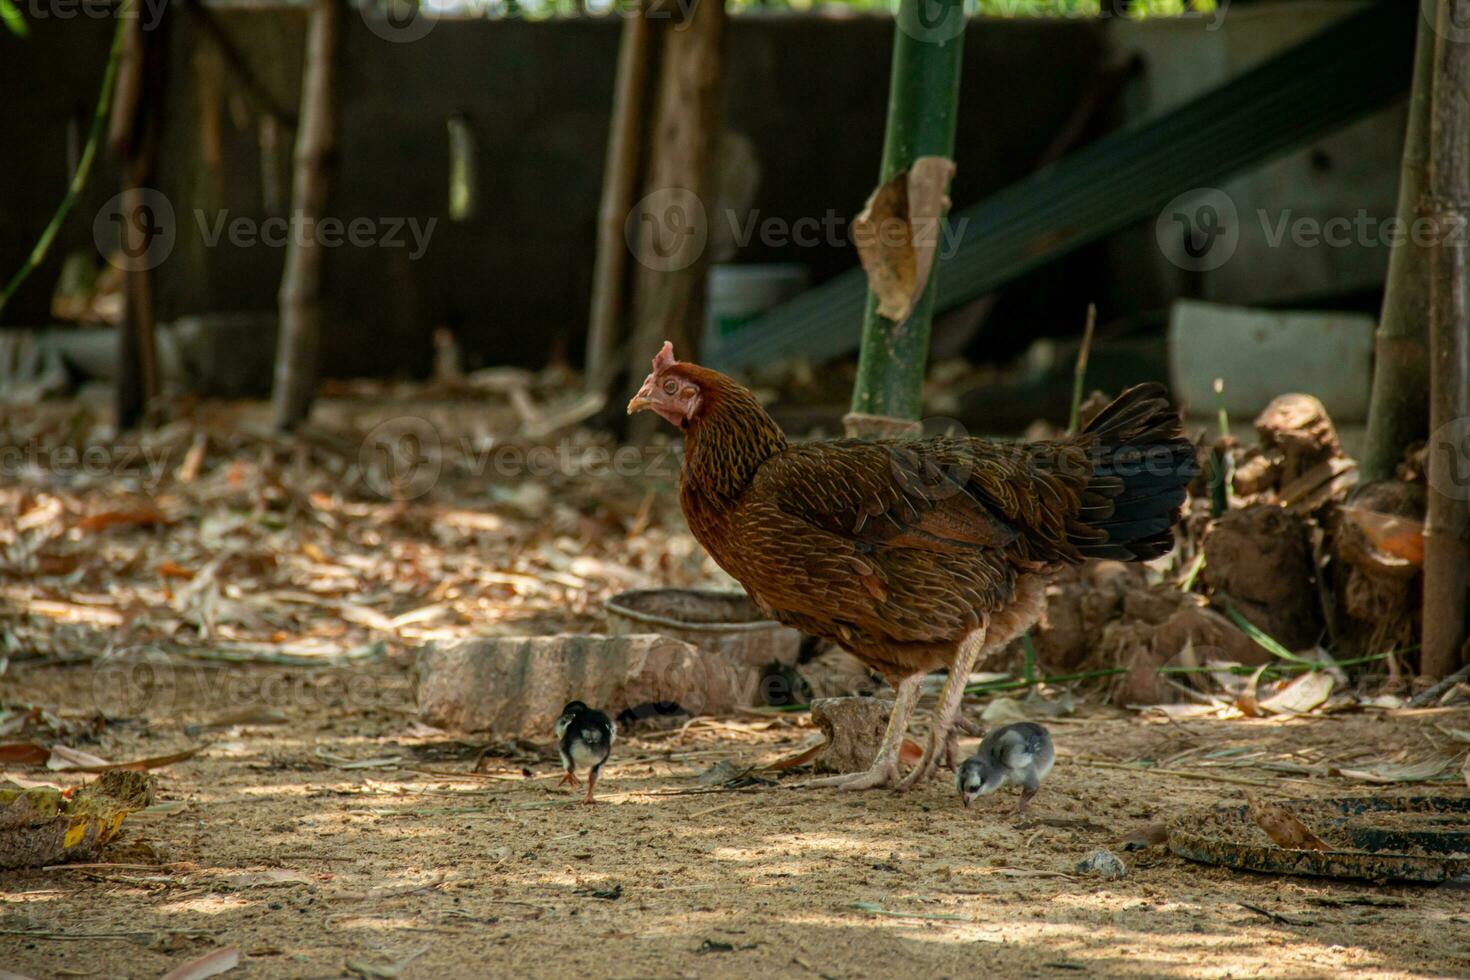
[1448, 203]
[619, 180]
[1398, 406]
[923, 99]
[299, 300]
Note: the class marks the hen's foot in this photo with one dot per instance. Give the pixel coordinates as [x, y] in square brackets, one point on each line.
[884, 773]
[940, 748]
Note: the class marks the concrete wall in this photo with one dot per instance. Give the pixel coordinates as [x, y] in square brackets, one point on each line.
[513, 282]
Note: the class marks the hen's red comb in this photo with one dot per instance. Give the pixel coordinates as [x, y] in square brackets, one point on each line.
[664, 358]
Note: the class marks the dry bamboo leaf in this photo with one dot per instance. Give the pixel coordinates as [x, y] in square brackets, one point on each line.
[799, 759]
[75, 760]
[1465, 770]
[209, 965]
[897, 234]
[1389, 772]
[1283, 827]
[1302, 695]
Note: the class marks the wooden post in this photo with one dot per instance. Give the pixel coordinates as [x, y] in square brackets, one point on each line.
[1448, 202]
[923, 99]
[1398, 408]
[619, 181]
[299, 301]
[673, 218]
[133, 134]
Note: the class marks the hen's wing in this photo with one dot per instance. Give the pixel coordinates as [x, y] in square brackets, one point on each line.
[953, 496]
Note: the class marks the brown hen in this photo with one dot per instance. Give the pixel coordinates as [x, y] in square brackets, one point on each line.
[915, 554]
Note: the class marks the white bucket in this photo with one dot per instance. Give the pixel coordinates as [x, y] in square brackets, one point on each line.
[738, 294]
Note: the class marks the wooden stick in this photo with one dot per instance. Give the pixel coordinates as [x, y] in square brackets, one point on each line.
[619, 180]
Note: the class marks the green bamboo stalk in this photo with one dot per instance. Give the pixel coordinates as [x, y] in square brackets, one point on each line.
[923, 100]
[78, 179]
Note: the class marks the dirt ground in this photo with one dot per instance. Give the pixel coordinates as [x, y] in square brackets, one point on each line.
[325, 832]
[315, 869]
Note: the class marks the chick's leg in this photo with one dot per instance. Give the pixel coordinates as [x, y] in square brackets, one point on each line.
[943, 739]
[591, 782]
[884, 770]
[570, 777]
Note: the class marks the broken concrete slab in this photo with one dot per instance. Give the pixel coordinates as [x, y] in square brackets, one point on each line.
[516, 686]
[854, 728]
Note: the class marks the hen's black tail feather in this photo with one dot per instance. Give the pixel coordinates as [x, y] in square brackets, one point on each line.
[1142, 467]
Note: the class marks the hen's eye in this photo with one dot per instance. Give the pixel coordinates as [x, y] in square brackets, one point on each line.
[671, 387]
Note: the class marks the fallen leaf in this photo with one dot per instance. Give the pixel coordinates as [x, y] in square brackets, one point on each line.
[1004, 711]
[1465, 770]
[1146, 836]
[24, 754]
[169, 569]
[256, 715]
[910, 751]
[799, 759]
[74, 760]
[139, 516]
[209, 965]
[1303, 694]
[1283, 827]
[1400, 537]
[1389, 772]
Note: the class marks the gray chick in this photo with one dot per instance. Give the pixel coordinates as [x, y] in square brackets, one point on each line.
[1019, 754]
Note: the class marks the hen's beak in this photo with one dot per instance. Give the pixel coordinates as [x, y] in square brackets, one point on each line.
[641, 400]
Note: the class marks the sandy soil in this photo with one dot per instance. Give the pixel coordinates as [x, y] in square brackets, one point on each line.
[314, 869]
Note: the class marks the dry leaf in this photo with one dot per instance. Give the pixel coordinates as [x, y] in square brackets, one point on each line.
[140, 516]
[24, 754]
[1283, 827]
[1465, 770]
[208, 965]
[897, 234]
[1388, 772]
[799, 759]
[1303, 694]
[1146, 836]
[910, 751]
[1400, 537]
[75, 760]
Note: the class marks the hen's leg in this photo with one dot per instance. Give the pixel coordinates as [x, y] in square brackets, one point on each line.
[884, 770]
[943, 740]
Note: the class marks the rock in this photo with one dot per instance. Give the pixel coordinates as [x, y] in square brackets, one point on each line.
[1258, 559]
[1104, 864]
[515, 686]
[854, 728]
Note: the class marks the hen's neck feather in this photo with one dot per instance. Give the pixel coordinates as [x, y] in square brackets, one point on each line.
[729, 440]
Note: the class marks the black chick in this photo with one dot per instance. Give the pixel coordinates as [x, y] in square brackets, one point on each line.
[584, 737]
[1019, 754]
